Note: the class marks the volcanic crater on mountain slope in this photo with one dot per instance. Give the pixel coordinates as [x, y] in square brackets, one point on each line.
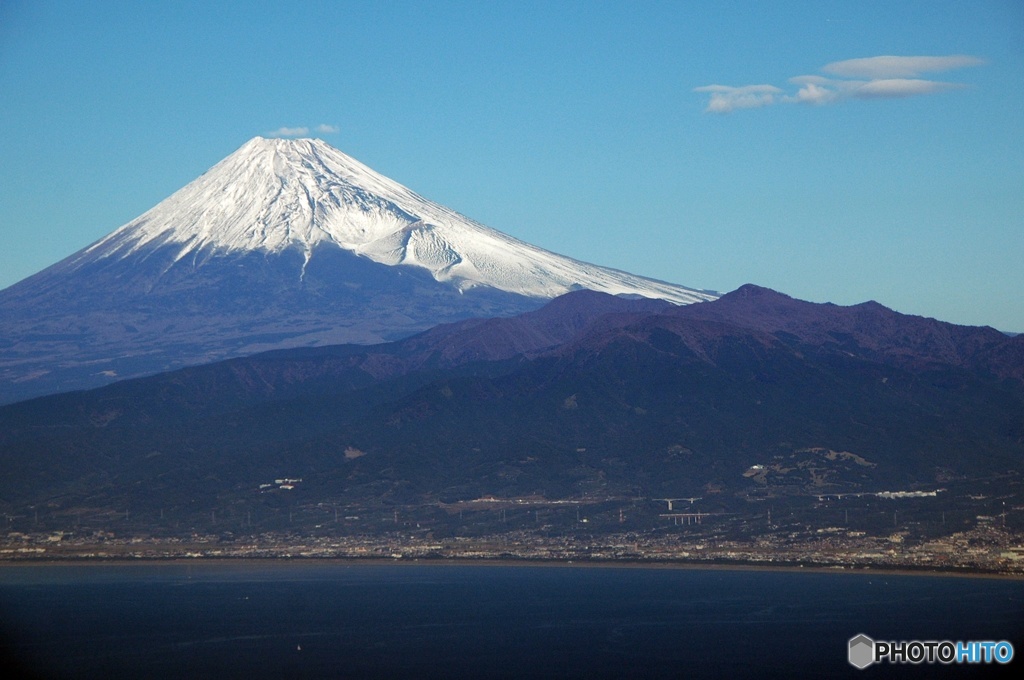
[284, 243]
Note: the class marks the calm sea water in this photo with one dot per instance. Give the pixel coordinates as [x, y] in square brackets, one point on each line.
[323, 620]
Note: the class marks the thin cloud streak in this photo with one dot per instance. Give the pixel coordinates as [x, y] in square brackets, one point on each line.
[885, 67]
[894, 88]
[725, 98]
[302, 131]
[289, 132]
[884, 77]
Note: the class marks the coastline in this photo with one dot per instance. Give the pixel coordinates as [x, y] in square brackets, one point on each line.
[120, 562]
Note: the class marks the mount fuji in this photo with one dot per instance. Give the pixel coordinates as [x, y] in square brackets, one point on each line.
[284, 243]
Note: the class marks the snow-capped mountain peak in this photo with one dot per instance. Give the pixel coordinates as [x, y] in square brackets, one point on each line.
[284, 243]
[273, 195]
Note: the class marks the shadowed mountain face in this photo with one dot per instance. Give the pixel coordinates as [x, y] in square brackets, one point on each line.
[591, 394]
[122, 318]
[285, 243]
[867, 330]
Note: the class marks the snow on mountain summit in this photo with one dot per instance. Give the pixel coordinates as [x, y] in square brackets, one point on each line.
[273, 195]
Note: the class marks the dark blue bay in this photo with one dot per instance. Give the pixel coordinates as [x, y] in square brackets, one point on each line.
[338, 620]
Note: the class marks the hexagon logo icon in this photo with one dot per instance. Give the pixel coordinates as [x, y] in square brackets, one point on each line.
[862, 651]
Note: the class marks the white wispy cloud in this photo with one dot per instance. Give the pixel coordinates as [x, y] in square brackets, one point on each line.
[819, 90]
[884, 77]
[814, 90]
[885, 67]
[302, 131]
[890, 88]
[725, 98]
[289, 132]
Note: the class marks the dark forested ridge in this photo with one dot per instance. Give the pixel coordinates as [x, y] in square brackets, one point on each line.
[590, 395]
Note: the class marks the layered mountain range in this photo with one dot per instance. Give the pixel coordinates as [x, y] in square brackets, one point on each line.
[284, 243]
[293, 315]
[590, 396]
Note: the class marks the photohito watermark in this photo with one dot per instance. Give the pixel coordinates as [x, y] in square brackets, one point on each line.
[863, 651]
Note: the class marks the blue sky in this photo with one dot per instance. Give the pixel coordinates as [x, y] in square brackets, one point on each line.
[706, 143]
